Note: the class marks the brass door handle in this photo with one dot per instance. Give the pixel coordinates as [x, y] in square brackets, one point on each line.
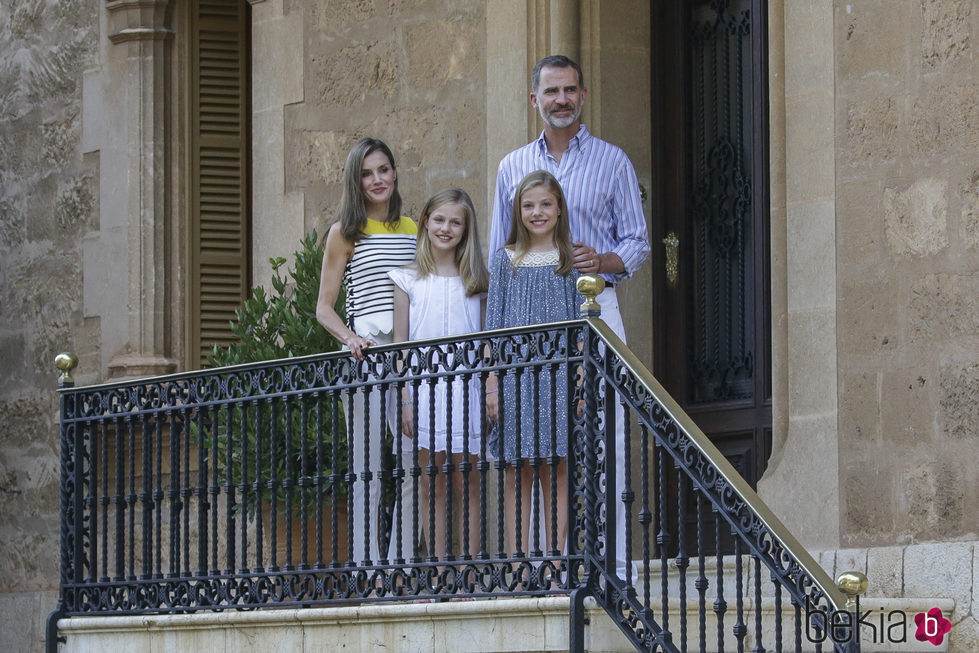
[672, 258]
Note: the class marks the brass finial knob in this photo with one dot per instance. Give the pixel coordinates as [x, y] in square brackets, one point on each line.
[66, 363]
[590, 285]
[853, 584]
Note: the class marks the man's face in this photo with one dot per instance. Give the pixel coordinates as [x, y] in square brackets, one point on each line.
[558, 97]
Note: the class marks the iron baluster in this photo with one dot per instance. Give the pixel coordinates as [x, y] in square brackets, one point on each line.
[273, 484]
[483, 466]
[759, 647]
[701, 584]
[303, 482]
[554, 461]
[158, 495]
[415, 479]
[431, 470]
[533, 534]
[131, 500]
[740, 629]
[778, 615]
[229, 488]
[645, 514]
[628, 495]
[465, 467]
[663, 541]
[243, 486]
[682, 561]
[257, 490]
[318, 479]
[118, 500]
[720, 605]
[199, 494]
[447, 471]
[185, 493]
[214, 489]
[351, 478]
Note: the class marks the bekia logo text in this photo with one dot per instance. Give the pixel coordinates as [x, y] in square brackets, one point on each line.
[890, 626]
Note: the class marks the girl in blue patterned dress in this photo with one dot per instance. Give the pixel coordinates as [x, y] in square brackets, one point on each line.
[532, 281]
[443, 293]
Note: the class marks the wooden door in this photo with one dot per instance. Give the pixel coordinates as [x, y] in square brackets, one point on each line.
[712, 329]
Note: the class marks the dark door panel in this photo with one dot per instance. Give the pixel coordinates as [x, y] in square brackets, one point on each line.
[712, 340]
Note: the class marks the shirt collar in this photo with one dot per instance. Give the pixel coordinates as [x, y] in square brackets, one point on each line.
[579, 140]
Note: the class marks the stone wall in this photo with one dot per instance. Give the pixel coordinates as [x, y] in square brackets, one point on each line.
[411, 73]
[907, 161]
[48, 201]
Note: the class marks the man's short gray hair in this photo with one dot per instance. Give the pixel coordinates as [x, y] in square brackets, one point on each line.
[555, 61]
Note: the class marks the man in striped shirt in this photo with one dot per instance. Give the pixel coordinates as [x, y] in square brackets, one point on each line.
[605, 211]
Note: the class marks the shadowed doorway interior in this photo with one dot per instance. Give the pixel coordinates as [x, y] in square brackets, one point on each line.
[711, 280]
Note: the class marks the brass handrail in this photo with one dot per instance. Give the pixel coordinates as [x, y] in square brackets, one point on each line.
[711, 452]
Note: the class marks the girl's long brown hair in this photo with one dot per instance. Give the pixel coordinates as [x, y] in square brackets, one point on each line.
[468, 254]
[519, 240]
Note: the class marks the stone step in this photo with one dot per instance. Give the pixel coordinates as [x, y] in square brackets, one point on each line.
[518, 625]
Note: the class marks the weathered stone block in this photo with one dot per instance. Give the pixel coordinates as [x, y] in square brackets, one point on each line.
[944, 306]
[860, 248]
[915, 220]
[860, 407]
[867, 500]
[320, 157]
[330, 15]
[970, 210]
[12, 226]
[872, 48]
[941, 569]
[74, 204]
[872, 131]
[442, 51]
[946, 31]
[885, 571]
[868, 318]
[960, 401]
[907, 399]
[945, 119]
[933, 495]
[60, 138]
[347, 77]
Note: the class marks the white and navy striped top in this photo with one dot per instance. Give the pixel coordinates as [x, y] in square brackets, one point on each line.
[602, 191]
[370, 291]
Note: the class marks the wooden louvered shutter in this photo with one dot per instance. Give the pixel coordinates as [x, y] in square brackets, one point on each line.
[219, 179]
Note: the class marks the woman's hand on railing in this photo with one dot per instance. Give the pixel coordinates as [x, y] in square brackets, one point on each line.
[357, 345]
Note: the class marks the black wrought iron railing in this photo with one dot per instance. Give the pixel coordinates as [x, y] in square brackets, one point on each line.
[250, 486]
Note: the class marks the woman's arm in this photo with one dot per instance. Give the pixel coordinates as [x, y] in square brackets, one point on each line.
[337, 252]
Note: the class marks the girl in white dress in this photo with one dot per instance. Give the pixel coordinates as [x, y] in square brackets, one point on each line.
[443, 293]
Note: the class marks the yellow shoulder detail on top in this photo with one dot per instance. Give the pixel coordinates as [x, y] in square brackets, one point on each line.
[404, 226]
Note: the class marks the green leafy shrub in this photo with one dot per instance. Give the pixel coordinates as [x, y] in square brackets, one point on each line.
[272, 325]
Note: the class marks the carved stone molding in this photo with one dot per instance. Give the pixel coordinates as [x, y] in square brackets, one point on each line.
[138, 20]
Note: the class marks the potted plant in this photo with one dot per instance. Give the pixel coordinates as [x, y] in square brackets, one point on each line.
[273, 325]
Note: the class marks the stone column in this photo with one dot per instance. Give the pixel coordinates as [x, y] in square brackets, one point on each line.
[138, 65]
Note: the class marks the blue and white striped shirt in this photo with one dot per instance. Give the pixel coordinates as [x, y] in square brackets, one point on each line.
[602, 191]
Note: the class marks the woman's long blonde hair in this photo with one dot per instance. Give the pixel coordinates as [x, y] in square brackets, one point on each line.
[468, 254]
[519, 240]
[352, 212]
